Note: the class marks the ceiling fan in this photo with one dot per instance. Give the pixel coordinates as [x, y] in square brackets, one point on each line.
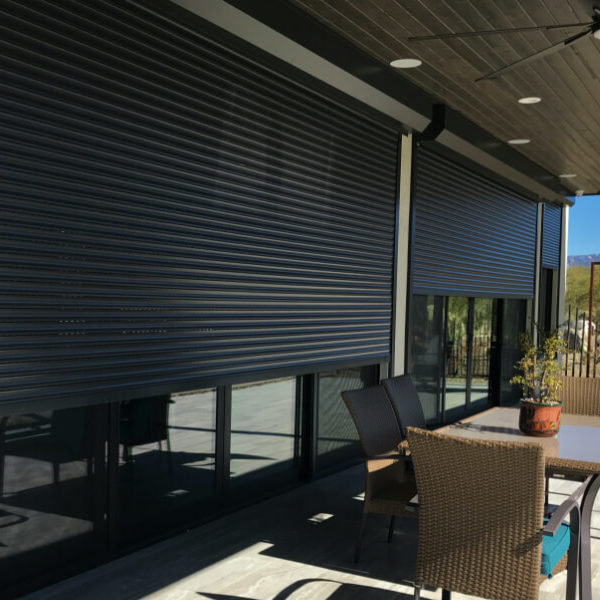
[591, 28]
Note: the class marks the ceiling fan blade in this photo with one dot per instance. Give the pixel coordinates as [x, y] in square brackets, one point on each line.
[445, 36]
[536, 55]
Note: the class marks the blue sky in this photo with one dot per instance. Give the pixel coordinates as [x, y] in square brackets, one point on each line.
[584, 226]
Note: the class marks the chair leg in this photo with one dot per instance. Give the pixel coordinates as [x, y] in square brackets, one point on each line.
[417, 595]
[585, 559]
[170, 455]
[547, 496]
[446, 595]
[361, 531]
[573, 556]
[391, 528]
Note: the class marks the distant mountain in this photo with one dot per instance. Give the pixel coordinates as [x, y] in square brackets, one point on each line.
[582, 260]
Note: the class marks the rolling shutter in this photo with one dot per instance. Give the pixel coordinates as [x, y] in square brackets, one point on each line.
[551, 229]
[472, 236]
[173, 213]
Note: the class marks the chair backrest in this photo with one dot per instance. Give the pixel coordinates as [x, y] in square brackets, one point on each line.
[374, 418]
[405, 401]
[145, 420]
[71, 433]
[580, 395]
[480, 515]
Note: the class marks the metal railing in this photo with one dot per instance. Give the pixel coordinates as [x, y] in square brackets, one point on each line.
[582, 358]
[456, 355]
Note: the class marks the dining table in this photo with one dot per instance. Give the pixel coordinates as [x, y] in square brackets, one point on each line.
[572, 453]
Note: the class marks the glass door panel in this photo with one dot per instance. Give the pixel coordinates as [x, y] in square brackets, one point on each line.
[461, 353]
[52, 495]
[263, 431]
[481, 347]
[513, 316]
[337, 439]
[427, 357]
[457, 354]
[166, 463]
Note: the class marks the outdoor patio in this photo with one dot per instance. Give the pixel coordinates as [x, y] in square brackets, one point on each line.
[296, 545]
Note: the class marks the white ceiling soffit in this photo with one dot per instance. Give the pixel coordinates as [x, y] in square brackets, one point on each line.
[256, 33]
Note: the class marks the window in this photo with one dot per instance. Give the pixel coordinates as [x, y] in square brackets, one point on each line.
[462, 351]
[263, 429]
[167, 460]
[337, 437]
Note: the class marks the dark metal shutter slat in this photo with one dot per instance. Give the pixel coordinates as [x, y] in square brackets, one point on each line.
[551, 236]
[180, 50]
[473, 236]
[159, 233]
[162, 94]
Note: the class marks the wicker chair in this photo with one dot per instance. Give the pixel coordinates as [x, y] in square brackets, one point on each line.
[405, 401]
[481, 518]
[388, 484]
[580, 395]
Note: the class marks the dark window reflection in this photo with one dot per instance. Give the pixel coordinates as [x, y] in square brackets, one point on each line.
[263, 429]
[457, 353]
[427, 358]
[472, 368]
[483, 326]
[513, 324]
[547, 318]
[337, 436]
[49, 516]
[468, 352]
[166, 462]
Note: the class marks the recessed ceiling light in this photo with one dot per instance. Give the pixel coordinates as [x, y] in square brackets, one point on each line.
[568, 175]
[519, 141]
[530, 100]
[406, 63]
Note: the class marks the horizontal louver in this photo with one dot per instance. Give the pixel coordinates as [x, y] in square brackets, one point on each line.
[173, 213]
[551, 229]
[473, 236]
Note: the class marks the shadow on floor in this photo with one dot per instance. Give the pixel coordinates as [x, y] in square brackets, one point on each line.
[321, 530]
[280, 533]
[340, 591]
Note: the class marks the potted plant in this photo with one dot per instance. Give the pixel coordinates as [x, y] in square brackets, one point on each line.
[540, 382]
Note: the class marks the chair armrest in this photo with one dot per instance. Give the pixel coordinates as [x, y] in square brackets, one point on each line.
[402, 453]
[391, 456]
[403, 448]
[414, 502]
[561, 511]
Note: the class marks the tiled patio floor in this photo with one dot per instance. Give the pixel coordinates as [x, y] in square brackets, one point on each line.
[296, 546]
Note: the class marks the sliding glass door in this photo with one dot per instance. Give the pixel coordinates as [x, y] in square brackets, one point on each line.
[469, 337]
[427, 352]
[459, 347]
[483, 338]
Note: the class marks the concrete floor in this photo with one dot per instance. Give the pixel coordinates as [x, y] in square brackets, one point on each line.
[295, 546]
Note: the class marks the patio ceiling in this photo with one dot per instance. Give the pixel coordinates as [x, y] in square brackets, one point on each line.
[564, 128]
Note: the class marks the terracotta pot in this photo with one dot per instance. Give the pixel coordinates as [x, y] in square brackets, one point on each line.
[539, 419]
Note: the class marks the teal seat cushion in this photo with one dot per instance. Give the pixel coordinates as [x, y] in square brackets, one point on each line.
[554, 548]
